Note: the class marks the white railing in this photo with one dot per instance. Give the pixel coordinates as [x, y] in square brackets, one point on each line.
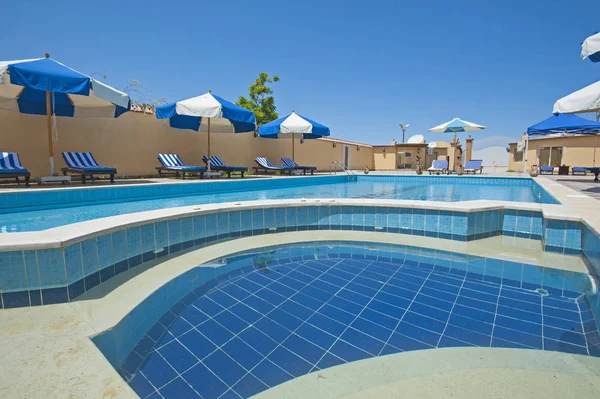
[341, 166]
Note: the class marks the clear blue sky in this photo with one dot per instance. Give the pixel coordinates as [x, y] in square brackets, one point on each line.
[358, 67]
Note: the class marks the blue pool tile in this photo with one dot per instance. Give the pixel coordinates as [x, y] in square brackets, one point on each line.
[15, 299]
[215, 332]
[178, 356]
[289, 362]
[89, 255]
[141, 386]
[271, 374]
[248, 386]
[73, 263]
[363, 340]
[178, 388]
[552, 345]
[75, 289]
[231, 322]
[205, 382]
[242, 353]
[31, 271]
[348, 352]
[304, 349]
[269, 218]
[225, 367]
[407, 343]
[148, 242]
[468, 336]
[418, 333]
[157, 370]
[418, 222]
[52, 268]
[197, 343]
[119, 244]
[534, 341]
[555, 233]
[447, 341]
[134, 242]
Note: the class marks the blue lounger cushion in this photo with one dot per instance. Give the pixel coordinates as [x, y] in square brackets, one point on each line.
[85, 162]
[579, 169]
[10, 163]
[266, 164]
[474, 164]
[292, 164]
[172, 161]
[546, 168]
[217, 163]
[439, 164]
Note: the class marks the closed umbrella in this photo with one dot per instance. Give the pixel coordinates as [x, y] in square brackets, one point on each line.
[208, 113]
[291, 126]
[43, 86]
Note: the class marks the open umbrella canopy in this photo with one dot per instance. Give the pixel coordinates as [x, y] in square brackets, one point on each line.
[43, 86]
[584, 100]
[24, 85]
[456, 125]
[590, 48]
[564, 123]
[208, 113]
[195, 114]
[293, 124]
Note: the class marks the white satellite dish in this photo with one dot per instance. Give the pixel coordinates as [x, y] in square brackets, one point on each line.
[416, 139]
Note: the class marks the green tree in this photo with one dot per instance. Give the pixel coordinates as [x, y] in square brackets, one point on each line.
[261, 101]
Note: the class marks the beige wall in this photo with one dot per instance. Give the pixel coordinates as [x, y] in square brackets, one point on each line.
[384, 160]
[577, 151]
[131, 143]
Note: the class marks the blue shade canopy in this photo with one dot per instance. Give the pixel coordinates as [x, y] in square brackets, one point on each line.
[24, 84]
[291, 125]
[194, 113]
[564, 123]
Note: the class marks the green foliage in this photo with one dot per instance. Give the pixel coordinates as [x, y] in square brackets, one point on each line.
[261, 101]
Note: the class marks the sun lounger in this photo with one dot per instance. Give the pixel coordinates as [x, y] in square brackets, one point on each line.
[546, 169]
[292, 164]
[579, 169]
[217, 164]
[84, 164]
[473, 165]
[265, 165]
[595, 171]
[10, 167]
[172, 164]
[438, 166]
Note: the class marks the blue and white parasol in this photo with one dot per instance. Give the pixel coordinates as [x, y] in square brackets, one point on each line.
[456, 125]
[43, 86]
[293, 126]
[208, 113]
[590, 48]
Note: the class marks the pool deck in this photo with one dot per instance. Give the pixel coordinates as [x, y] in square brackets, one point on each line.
[56, 358]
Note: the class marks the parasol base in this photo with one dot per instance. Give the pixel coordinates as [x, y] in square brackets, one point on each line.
[53, 179]
[212, 174]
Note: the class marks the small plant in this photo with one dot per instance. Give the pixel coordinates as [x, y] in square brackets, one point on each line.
[511, 171]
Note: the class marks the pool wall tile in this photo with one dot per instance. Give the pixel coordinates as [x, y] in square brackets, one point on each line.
[12, 272]
[74, 263]
[418, 222]
[31, 270]
[406, 220]
[119, 243]
[51, 266]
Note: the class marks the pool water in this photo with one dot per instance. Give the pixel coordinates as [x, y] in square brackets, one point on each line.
[289, 315]
[438, 188]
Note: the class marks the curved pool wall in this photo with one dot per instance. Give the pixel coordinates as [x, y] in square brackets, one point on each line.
[129, 343]
[32, 210]
[60, 264]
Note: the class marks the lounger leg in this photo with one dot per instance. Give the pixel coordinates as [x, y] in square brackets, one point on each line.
[82, 179]
[182, 175]
[229, 174]
[27, 181]
[112, 178]
[311, 172]
[304, 172]
[242, 172]
[18, 181]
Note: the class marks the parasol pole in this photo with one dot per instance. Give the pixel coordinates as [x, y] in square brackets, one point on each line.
[49, 127]
[208, 143]
[293, 139]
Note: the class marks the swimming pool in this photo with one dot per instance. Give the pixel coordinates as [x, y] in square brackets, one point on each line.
[38, 210]
[274, 314]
